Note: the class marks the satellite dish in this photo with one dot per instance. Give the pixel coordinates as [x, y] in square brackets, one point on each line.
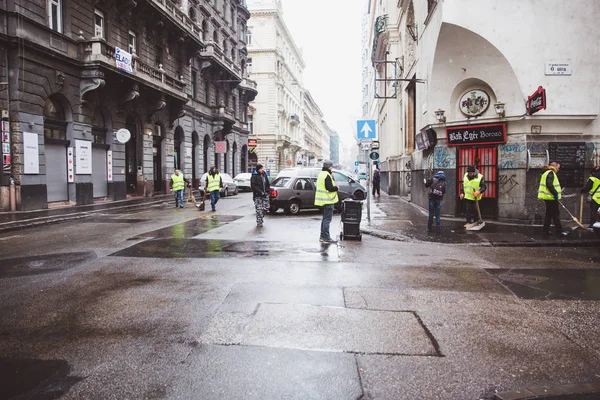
[123, 135]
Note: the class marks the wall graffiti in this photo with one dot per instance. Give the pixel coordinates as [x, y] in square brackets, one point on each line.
[444, 158]
[408, 179]
[507, 183]
[512, 156]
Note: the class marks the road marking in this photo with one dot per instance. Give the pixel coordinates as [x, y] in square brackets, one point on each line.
[10, 237]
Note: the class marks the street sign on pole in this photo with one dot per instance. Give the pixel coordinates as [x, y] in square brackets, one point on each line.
[375, 145]
[365, 146]
[356, 163]
[374, 156]
[365, 129]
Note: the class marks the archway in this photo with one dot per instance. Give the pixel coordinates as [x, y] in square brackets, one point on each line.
[56, 117]
[234, 159]
[195, 141]
[205, 152]
[131, 155]
[243, 159]
[157, 154]
[178, 150]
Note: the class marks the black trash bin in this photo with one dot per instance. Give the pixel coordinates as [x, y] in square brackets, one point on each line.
[351, 217]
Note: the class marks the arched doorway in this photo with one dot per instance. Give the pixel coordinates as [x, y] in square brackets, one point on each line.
[131, 156]
[178, 151]
[205, 152]
[55, 145]
[100, 125]
[234, 159]
[194, 158]
[243, 159]
[157, 152]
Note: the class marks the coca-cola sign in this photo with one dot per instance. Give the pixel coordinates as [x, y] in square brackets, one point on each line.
[537, 101]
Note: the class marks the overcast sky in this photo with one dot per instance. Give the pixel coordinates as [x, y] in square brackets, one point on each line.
[329, 34]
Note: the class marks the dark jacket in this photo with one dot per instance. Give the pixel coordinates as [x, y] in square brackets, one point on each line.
[550, 180]
[589, 184]
[376, 176]
[483, 186]
[329, 183]
[259, 183]
[439, 176]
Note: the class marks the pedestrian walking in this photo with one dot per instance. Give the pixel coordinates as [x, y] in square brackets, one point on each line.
[473, 188]
[261, 188]
[177, 187]
[326, 197]
[551, 192]
[377, 181]
[437, 189]
[214, 183]
[591, 187]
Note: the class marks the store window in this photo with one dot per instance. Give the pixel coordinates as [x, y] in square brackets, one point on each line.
[55, 124]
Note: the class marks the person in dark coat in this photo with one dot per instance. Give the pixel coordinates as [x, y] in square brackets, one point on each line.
[437, 189]
[261, 188]
[377, 182]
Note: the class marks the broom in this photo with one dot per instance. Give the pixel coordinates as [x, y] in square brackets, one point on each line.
[572, 216]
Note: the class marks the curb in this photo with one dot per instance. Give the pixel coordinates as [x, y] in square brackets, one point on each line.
[586, 391]
[402, 238]
[16, 225]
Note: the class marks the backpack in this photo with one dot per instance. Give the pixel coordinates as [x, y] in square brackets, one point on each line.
[438, 187]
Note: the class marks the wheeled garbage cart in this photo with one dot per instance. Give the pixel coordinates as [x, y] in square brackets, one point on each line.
[351, 217]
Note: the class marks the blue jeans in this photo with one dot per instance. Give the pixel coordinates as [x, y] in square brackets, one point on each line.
[435, 208]
[178, 197]
[214, 198]
[327, 217]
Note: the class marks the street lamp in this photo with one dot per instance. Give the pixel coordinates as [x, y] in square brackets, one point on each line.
[439, 115]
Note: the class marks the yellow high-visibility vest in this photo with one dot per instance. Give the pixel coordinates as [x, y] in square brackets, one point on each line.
[214, 182]
[323, 196]
[595, 191]
[543, 192]
[178, 182]
[470, 186]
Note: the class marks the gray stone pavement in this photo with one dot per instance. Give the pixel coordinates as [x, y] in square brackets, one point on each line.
[165, 303]
[395, 218]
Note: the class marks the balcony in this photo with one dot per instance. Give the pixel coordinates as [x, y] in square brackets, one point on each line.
[99, 52]
[179, 19]
[380, 39]
[249, 88]
[212, 52]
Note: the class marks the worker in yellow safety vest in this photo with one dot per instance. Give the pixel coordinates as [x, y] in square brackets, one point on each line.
[326, 197]
[214, 183]
[551, 192]
[177, 187]
[592, 187]
[473, 187]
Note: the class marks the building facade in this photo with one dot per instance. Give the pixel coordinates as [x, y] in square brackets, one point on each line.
[334, 148]
[106, 99]
[460, 87]
[287, 122]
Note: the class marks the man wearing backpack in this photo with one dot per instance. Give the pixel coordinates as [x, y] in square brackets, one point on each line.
[437, 189]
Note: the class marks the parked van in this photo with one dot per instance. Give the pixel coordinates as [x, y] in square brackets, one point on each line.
[294, 189]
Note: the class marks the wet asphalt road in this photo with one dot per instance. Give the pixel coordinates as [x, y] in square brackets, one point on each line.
[166, 303]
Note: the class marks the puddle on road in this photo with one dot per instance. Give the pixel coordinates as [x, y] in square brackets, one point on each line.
[551, 284]
[35, 265]
[210, 248]
[35, 379]
[189, 229]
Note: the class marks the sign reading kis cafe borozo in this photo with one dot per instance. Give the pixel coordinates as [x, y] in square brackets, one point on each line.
[476, 134]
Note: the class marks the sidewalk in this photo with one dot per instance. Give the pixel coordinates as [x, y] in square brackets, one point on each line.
[394, 218]
[22, 219]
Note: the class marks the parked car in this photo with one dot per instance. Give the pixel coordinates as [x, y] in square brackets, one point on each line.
[294, 189]
[229, 188]
[243, 181]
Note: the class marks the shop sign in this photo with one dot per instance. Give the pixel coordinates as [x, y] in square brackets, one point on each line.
[31, 153]
[221, 147]
[6, 165]
[426, 139]
[252, 142]
[70, 177]
[474, 103]
[123, 60]
[83, 152]
[109, 166]
[476, 134]
[571, 157]
[537, 101]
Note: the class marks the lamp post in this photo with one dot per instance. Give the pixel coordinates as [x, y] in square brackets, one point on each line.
[499, 107]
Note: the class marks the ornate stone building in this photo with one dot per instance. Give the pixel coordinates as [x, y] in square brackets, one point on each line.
[107, 98]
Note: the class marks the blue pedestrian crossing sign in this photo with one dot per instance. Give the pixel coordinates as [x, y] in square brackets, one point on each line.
[356, 163]
[365, 129]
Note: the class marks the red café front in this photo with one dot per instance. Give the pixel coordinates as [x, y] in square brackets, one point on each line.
[478, 145]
